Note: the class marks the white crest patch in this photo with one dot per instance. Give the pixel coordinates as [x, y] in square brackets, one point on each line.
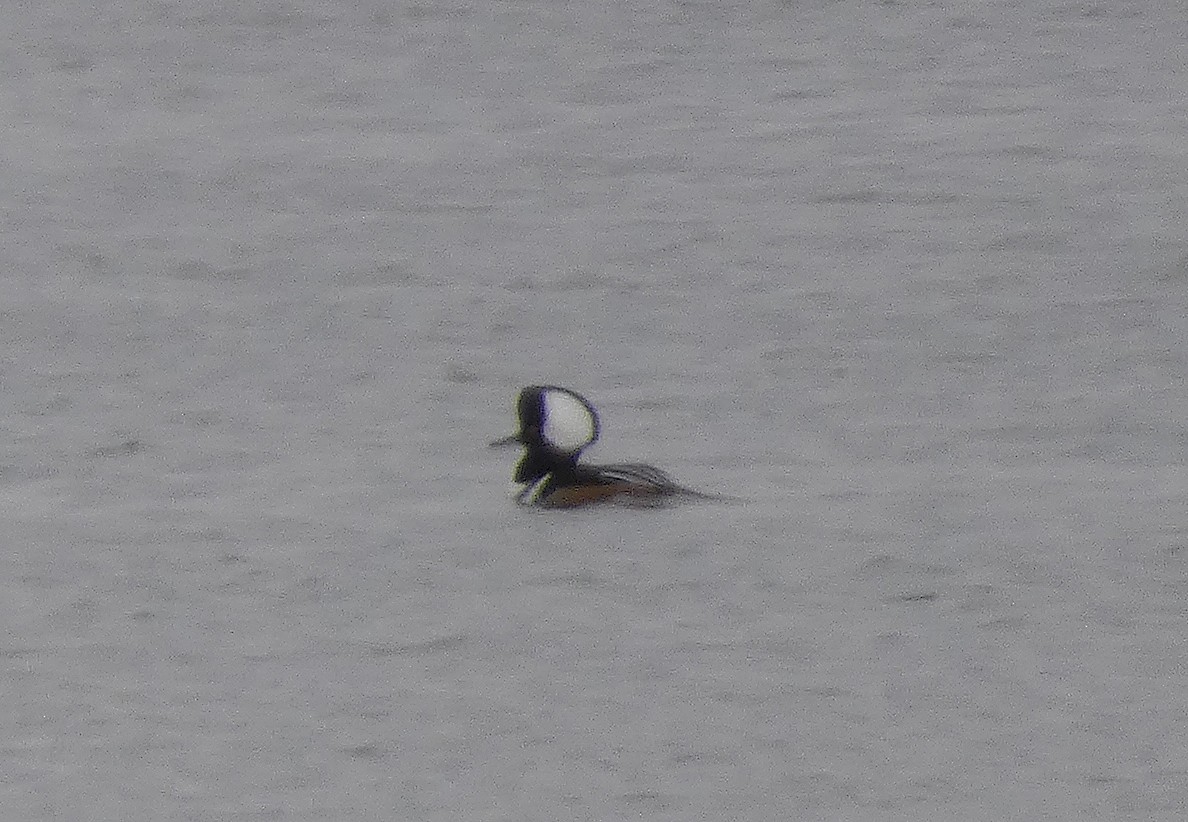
[568, 423]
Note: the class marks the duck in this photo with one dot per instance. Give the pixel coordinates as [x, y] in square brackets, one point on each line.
[555, 426]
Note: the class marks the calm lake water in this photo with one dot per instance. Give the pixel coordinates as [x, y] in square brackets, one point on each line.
[910, 280]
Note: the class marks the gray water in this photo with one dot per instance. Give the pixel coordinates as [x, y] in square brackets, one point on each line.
[908, 279]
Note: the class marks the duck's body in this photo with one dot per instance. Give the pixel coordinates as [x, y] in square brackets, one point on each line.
[556, 425]
[633, 483]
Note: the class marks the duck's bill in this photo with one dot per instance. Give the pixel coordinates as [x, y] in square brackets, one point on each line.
[514, 439]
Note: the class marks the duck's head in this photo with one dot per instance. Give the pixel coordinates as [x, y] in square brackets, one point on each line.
[556, 425]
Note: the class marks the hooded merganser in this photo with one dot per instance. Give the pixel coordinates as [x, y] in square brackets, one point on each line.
[556, 425]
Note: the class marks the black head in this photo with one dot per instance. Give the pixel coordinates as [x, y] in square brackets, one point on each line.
[556, 424]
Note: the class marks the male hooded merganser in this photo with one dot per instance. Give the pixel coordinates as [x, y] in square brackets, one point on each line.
[556, 424]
